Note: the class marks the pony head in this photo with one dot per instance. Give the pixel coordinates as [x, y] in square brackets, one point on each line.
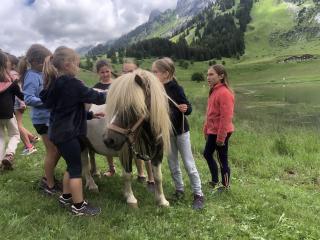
[136, 100]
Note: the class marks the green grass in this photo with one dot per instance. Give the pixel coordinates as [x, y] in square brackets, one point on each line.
[270, 16]
[274, 159]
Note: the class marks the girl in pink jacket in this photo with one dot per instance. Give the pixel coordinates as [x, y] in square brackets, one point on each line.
[218, 125]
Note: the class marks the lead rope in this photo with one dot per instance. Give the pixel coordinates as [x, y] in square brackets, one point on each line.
[177, 106]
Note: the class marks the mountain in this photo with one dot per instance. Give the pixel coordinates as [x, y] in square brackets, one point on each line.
[270, 27]
[162, 25]
[189, 8]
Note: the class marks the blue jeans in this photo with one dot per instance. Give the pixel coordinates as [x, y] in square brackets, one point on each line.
[182, 144]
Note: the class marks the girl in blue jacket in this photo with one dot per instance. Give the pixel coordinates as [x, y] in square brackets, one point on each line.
[30, 69]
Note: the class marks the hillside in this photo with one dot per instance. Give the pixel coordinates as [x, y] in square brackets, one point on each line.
[280, 28]
[276, 27]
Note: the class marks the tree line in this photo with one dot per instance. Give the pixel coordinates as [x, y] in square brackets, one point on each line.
[218, 33]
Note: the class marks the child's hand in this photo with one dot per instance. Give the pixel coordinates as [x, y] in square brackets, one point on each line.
[220, 144]
[206, 137]
[98, 115]
[183, 108]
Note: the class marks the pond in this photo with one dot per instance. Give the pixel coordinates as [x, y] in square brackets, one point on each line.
[297, 104]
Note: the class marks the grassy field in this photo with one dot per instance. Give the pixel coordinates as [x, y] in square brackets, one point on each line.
[274, 157]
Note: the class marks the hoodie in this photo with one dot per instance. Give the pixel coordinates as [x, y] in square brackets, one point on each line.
[66, 97]
[8, 90]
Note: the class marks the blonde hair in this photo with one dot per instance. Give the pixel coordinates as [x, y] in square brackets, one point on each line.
[166, 65]
[36, 54]
[131, 61]
[134, 102]
[54, 64]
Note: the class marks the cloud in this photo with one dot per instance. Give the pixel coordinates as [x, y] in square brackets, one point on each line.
[73, 23]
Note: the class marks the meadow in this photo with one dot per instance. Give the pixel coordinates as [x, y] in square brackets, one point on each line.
[274, 157]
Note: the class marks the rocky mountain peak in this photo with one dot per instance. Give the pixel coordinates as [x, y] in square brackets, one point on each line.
[191, 7]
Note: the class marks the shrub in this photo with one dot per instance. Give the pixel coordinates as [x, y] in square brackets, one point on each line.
[197, 76]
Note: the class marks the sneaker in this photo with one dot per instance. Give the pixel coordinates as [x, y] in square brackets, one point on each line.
[66, 203]
[223, 188]
[35, 139]
[85, 210]
[50, 191]
[110, 172]
[213, 184]
[151, 186]
[141, 179]
[57, 183]
[7, 162]
[198, 202]
[178, 195]
[28, 151]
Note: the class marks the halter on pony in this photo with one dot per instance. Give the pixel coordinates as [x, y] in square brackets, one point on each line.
[131, 132]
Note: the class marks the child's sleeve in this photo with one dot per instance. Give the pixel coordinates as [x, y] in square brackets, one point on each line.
[17, 91]
[30, 89]
[88, 95]
[226, 115]
[183, 100]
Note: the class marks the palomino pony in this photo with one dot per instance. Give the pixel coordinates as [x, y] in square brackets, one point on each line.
[137, 125]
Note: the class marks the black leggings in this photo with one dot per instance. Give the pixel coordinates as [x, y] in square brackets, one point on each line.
[71, 152]
[210, 147]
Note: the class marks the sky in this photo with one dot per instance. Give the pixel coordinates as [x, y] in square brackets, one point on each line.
[72, 23]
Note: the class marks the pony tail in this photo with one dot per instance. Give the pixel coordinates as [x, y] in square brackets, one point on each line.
[23, 66]
[49, 71]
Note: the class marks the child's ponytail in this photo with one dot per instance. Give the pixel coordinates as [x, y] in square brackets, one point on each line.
[23, 66]
[49, 71]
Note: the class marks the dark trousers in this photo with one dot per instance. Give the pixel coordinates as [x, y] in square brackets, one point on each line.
[71, 152]
[210, 148]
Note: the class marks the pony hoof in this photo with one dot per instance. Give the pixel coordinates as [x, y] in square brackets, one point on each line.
[94, 189]
[96, 174]
[164, 204]
[133, 205]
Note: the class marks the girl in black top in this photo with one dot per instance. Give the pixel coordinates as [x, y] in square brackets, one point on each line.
[65, 95]
[104, 70]
[8, 90]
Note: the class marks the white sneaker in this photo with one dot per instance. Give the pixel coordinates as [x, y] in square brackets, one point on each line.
[28, 151]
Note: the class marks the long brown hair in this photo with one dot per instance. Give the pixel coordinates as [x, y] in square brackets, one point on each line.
[221, 71]
[54, 64]
[3, 66]
[104, 63]
[36, 54]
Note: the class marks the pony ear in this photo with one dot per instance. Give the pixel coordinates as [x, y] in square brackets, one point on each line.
[139, 81]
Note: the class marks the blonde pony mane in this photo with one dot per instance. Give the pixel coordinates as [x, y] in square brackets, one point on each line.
[126, 98]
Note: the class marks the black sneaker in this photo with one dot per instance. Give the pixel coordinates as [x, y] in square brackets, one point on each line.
[223, 188]
[141, 179]
[213, 184]
[177, 195]
[57, 183]
[66, 203]
[151, 186]
[198, 202]
[50, 191]
[85, 210]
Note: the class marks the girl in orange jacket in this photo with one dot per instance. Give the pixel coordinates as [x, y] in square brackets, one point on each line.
[218, 125]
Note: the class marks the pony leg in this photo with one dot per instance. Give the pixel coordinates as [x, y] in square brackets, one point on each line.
[159, 195]
[93, 171]
[90, 184]
[128, 194]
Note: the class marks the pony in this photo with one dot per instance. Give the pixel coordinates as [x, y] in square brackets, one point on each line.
[137, 125]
